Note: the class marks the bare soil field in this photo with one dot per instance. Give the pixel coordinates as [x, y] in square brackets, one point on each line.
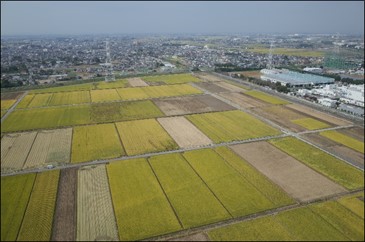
[281, 115]
[95, 213]
[243, 100]
[212, 87]
[319, 115]
[11, 95]
[137, 82]
[230, 87]
[183, 132]
[208, 77]
[193, 104]
[354, 132]
[299, 181]
[15, 148]
[51, 147]
[194, 237]
[336, 148]
[64, 223]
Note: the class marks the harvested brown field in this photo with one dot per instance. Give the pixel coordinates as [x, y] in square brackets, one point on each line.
[354, 132]
[137, 82]
[95, 213]
[192, 104]
[183, 132]
[243, 100]
[299, 181]
[230, 87]
[342, 151]
[50, 147]
[10, 95]
[211, 87]
[282, 116]
[194, 237]
[15, 148]
[208, 77]
[317, 114]
[64, 223]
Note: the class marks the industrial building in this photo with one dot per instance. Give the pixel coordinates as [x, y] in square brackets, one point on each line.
[294, 79]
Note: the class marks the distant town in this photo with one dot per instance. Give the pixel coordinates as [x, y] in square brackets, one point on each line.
[331, 67]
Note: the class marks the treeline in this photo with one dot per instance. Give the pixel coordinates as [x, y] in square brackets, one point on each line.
[275, 86]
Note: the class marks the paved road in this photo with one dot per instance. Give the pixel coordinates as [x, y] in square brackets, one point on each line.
[13, 107]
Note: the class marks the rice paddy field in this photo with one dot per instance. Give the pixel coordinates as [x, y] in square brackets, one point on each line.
[322, 221]
[6, 104]
[344, 139]
[137, 93]
[38, 218]
[265, 97]
[15, 193]
[139, 202]
[144, 136]
[337, 170]
[231, 125]
[94, 142]
[310, 123]
[155, 158]
[172, 79]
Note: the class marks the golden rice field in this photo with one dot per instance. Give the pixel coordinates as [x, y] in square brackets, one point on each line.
[137, 93]
[144, 136]
[93, 142]
[95, 214]
[140, 206]
[6, 104]
[344, 139]
[64, 98]
[104, 95]
[38, 218]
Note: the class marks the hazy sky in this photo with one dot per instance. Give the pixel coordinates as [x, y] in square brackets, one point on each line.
[181, 17]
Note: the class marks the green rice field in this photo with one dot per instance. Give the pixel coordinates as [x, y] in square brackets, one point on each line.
[93, 142]
[326, 221]
[265, 97]
[237, 194]
[172, 79]
[231, 125]
[310, 123]
[192, 200]
[15, 193]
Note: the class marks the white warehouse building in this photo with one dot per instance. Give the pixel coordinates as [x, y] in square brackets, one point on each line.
[294, 79]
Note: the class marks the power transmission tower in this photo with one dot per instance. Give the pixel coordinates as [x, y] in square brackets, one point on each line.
[109, 74]
[269, 64]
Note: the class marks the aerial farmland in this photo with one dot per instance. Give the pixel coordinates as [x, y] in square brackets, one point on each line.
[191, 156]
